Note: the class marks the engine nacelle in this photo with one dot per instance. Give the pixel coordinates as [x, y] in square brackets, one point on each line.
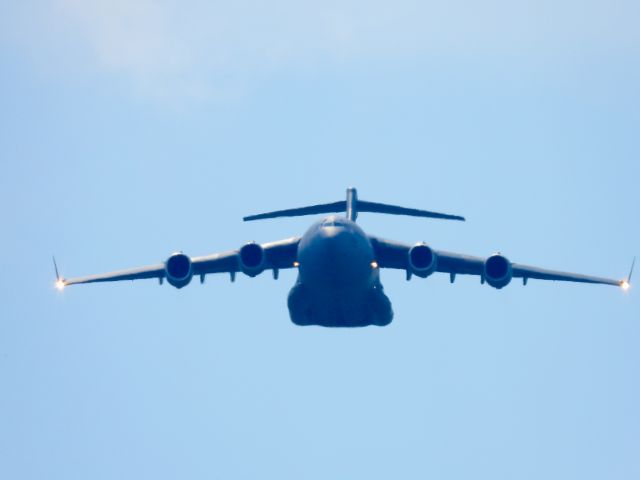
[497, 271]
[178, 270]
[422, 260]
[252, 259]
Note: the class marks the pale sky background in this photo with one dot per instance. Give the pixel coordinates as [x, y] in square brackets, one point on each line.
[131, 129]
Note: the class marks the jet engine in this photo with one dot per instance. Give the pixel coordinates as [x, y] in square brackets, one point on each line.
[422, 260]
[497, 271]
[252, 259]
[178, 270]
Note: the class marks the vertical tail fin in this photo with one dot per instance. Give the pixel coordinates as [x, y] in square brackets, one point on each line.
[352, 204]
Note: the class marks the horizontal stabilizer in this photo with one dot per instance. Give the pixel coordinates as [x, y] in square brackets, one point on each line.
[364, 206]
[351, 207]
[297, 212]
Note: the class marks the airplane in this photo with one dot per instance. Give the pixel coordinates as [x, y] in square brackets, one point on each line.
[338, 283]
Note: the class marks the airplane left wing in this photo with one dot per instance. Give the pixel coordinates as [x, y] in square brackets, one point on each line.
[422, 260]
[179, 268]
[151, 271]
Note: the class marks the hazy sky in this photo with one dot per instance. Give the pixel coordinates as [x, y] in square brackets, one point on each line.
[131, 129]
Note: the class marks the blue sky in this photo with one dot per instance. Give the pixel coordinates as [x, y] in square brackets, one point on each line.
[129, 130]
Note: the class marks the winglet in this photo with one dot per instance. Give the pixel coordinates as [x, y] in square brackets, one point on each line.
[59, 281]
[55, 266]
[625, 284]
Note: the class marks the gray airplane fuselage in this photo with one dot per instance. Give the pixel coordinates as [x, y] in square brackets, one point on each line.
[338, 282]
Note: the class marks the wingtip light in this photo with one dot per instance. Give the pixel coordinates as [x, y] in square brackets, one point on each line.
[625, 285]
[60, 284]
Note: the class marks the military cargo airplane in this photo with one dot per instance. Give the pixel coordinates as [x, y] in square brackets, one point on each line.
[338, 264]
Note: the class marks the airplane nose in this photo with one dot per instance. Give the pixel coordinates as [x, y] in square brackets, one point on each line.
[335, 241]
[336, 258]
[331, 232]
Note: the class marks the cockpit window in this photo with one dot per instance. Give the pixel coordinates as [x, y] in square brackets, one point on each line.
[332, 222]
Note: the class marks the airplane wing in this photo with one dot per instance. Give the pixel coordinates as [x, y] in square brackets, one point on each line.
[390, 254]
[259, 257]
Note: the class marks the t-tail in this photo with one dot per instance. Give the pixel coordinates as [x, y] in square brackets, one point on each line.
[351, 207]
